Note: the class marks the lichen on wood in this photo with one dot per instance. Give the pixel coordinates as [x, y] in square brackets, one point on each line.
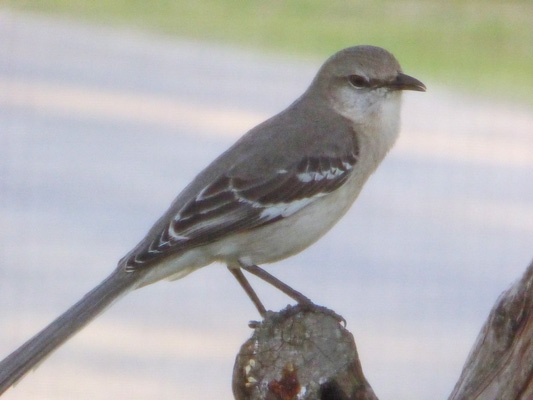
[302, 352]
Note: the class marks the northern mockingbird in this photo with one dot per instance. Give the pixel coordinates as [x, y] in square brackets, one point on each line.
[273, 193]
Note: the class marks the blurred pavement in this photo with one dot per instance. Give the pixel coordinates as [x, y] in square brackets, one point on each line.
[101, 128]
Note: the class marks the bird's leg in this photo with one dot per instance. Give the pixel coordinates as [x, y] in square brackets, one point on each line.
[237, 273]
[302, 300]
[261, 273]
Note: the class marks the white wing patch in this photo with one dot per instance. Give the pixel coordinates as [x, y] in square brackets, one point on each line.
[327, 174]
[286, 209]
[233, 204]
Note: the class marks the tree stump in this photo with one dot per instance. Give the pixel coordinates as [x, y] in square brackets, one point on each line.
[300, 353]
[305, 353]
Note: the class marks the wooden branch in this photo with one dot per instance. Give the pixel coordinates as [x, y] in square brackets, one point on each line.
[500, 366]
[305, 353]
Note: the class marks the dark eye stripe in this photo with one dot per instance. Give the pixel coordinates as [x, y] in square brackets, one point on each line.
[358, 81]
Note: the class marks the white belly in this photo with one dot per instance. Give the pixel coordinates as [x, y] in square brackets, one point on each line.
[288, 236]
[267, 244]
[291, 235]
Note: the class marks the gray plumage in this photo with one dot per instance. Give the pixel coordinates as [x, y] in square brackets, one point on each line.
[273, 193]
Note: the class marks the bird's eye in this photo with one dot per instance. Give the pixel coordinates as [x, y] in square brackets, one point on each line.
[358, 81]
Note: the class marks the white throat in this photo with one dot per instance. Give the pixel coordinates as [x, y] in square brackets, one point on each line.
[376, 120]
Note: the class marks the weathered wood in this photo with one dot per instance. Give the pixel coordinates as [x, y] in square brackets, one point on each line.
[500, 366]
[306, 353]
[300, 353]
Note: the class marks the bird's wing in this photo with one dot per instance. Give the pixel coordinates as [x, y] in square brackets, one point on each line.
[232, 204]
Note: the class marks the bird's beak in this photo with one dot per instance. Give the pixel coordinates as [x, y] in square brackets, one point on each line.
[406, 82]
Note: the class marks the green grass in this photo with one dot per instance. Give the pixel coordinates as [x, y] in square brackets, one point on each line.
[480, 46]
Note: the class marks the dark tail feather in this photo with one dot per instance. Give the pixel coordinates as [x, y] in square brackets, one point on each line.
[35, 350]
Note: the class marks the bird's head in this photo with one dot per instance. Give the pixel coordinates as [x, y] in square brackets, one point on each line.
[363, 83]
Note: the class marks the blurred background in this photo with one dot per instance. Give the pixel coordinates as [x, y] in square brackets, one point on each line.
[109, 108]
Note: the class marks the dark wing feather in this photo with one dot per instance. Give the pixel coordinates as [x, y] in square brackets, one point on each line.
[231, 204]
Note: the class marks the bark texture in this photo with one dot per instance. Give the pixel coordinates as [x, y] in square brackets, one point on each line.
[300, 353]
[500, 366]
[305, 353]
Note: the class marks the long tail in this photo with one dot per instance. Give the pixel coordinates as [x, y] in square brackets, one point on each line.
[35, 350]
